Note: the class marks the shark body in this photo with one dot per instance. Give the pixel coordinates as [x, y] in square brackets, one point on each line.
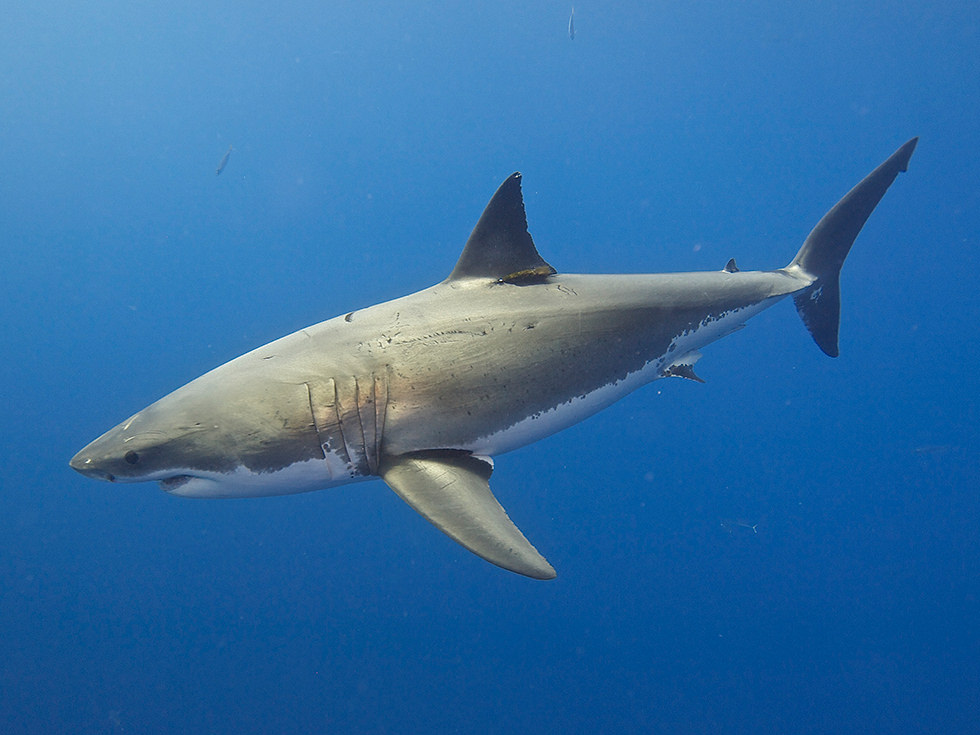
[423, 391]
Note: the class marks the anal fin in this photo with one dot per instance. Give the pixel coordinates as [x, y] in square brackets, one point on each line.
[451, 489]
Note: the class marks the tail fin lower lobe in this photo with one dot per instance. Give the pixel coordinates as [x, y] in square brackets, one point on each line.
[828, 244]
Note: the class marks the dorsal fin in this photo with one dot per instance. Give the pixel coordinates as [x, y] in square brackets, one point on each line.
[730, 266]
[500, 246]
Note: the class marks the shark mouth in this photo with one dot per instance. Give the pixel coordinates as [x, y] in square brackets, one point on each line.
[170, 484]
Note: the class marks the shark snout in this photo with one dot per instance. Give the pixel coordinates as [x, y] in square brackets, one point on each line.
[84, 463]
[112, 457]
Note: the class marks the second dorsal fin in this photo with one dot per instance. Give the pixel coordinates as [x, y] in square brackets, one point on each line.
[500, 247]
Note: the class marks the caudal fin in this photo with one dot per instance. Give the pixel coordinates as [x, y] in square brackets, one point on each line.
[826, 247]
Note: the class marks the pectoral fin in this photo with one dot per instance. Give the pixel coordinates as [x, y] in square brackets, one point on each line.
[452, 491]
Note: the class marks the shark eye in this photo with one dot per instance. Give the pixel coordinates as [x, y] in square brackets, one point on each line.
[131, 457]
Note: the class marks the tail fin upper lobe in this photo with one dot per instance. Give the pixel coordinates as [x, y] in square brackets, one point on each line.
[827, 245]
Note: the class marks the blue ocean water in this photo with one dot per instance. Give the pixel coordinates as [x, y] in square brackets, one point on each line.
[790, 547]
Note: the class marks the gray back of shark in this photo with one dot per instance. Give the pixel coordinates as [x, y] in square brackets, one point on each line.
[424, 390]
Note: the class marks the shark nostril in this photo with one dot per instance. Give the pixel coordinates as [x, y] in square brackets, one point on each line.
[131, 457]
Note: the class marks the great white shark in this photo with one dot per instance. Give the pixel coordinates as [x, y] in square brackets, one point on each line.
[424, 390]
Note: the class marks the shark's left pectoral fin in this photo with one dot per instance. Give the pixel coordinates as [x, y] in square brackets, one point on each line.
[452, 491]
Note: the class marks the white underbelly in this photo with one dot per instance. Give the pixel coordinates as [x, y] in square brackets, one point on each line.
[300, 477]
[539, 425]
[683, 350]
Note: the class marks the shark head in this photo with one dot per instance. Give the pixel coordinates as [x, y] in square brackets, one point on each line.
[146, 446]
[203, 441]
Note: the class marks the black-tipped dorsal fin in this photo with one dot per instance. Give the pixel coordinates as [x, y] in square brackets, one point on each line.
[500, 247]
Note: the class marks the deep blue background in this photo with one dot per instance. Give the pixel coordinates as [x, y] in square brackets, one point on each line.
[368, 136]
